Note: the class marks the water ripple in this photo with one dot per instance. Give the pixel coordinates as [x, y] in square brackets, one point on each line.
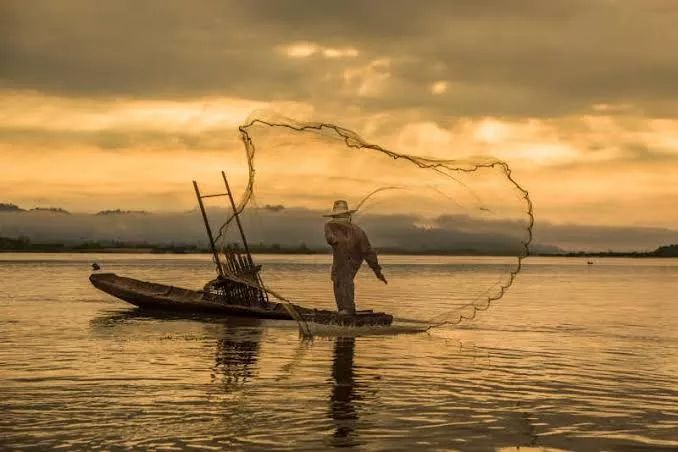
[571, 359]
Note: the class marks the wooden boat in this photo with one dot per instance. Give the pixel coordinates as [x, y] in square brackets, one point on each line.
[148, 295]
[235, 292]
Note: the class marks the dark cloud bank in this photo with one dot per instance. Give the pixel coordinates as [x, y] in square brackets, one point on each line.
[518, 58]
[294, 226]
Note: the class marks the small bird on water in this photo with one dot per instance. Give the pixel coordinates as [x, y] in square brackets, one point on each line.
[95, 266]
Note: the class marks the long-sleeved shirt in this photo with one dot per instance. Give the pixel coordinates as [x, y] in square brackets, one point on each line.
[350, 247]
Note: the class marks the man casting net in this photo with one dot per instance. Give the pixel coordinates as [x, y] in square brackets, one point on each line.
[459, 210]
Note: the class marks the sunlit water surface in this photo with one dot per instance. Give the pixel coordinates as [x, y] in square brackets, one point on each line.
[576, 356]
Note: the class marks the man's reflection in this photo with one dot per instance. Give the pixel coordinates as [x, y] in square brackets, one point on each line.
[344, 392]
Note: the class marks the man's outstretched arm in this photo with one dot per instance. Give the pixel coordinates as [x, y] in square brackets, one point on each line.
[370, 257]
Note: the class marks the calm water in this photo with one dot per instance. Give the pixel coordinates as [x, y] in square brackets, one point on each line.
[574, 357]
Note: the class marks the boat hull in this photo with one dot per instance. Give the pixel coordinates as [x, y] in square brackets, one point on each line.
[162, 297]
[169, 298]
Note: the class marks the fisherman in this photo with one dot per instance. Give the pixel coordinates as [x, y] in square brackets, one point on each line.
[350, 247]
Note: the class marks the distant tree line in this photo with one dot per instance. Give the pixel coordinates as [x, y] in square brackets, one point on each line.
[662, 251]
[121, 212]
[667, 251]
[276, 248]
[50, 209]
[24, 244]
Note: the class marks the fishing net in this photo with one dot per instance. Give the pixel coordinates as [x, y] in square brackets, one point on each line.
[411, 207]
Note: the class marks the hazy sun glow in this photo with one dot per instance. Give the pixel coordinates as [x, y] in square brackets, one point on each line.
[307, 49]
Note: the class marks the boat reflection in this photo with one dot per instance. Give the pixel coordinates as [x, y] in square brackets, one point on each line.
[129, 316]
[235, 359]
[238, 340]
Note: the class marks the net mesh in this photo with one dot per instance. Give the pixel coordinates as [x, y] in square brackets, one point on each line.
[407, 204]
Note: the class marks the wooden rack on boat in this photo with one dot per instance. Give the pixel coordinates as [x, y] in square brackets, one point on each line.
[238, 277]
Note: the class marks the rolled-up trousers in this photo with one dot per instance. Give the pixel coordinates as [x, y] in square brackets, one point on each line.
[344, 293]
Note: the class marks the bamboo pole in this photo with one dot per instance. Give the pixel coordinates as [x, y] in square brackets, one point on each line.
[209, 230]
[237, 218]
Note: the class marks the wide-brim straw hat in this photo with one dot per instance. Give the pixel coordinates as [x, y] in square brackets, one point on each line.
[339, 209]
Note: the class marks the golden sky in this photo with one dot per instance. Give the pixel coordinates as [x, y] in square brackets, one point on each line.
[120, 104]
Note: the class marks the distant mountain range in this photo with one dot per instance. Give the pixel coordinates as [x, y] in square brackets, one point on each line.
[7, 207]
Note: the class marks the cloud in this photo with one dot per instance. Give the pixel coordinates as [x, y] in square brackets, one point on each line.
[307, 49]
[526, 58]
[368, 80]
[439, 87]
[91, 153]
[124, 102]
